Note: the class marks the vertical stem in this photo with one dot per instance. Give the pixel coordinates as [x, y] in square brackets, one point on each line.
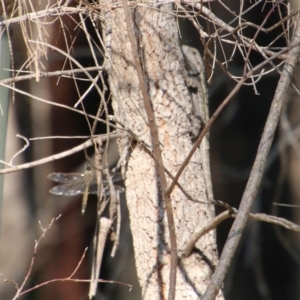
[4, 100]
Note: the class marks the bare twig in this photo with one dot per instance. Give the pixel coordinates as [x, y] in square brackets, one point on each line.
[36, 244]
[63, 154]
[67, 279]
[21, 150]
[74, 280]
[146, 148]
[215, 115]
[36, 15]
[234, 37]
[212, 224]
[79, 263]
[60, 73]
[227, 214]
[56, 104]
[258, 30]
[257, 171]
[157, 153]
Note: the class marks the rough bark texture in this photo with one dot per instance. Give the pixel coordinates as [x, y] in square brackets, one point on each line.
[156, 34]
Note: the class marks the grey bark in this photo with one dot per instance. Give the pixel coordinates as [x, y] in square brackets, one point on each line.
[156, 34]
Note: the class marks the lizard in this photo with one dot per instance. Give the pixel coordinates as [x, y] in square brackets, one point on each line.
[196, 82]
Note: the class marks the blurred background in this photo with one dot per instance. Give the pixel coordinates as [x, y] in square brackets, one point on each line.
[266, 265]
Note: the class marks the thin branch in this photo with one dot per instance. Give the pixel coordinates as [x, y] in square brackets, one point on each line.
[56, 104]
[216, 114]
[21, 150]
[157, 153]
[212, 224]
[146, 148]
[60, 155]
[74, 280]
[49, 74]
[70, 279]
[36, 244]
[258, 31]
[225, 26]
[79, 263]
[249, 195]
[50, 12]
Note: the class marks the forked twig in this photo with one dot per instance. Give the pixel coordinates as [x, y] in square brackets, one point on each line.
[60, 155]
[36, 244]
[250, 192]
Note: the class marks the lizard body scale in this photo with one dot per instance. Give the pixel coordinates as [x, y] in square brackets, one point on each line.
[196, 82]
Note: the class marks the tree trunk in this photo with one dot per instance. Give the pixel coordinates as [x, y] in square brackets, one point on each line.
[156, 34]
